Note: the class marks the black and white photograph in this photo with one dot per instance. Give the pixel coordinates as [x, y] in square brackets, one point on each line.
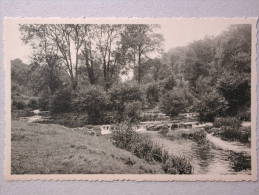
[131, 98]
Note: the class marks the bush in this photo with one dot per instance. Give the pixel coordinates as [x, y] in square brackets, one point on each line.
[199, 136]
[168, 84]
[61, 101]
[211, 105]
[233, 134]
[230, 133]
[44, 103]
[19, 105]
[244, 114]
[124, 137]
[177, 165]
[152, 93]
[173, 102]
[133, 111]
[120, 96]
[227, 121]
[236, 88]
[92, 101]
[70, 119]
[33, 104]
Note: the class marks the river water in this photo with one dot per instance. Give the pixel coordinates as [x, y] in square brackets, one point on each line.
[215, 157]
[205, 159]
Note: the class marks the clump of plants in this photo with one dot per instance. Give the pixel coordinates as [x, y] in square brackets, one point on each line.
[229, 128]
[227, 121]
[177, 165]
[126, 138]
[198, 136]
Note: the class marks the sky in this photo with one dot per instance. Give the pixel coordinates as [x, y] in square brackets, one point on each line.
[176, 33]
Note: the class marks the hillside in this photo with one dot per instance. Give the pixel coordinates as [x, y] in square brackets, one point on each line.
[48, 148]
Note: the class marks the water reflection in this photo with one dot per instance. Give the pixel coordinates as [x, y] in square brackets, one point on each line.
[205, 157]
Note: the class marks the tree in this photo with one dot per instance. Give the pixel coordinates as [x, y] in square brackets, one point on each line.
[109, 49]
[61, 40]
[212, 105]
[140, 40]
[123, 94]
[173, 102]
[93, 101]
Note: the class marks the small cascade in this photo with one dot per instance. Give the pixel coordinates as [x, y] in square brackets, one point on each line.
[105, 129]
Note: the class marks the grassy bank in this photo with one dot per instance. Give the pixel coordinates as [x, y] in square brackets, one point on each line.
[230, 129]
[143, 147]
[54, 149]
[70, 119]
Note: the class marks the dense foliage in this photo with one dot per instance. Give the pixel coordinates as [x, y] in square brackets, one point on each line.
[112, 76]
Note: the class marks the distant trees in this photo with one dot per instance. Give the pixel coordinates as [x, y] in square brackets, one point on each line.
[217, 70]
[79, 67]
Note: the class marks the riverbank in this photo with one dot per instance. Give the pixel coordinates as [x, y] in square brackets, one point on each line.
[50, 148]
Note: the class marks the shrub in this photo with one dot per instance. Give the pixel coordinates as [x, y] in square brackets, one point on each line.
[227, 121]
[173, 102]
[152, 93]
[122, 94]
[33, 104]
[244, 114]
[61, 101]
[133, 111]
[70, 119]
[19, 105]
[177, 165]
[230, 133]
[168, 84]
[44, 103]
[93, 101]
[233, 134]
[236, 88]
[211, 105]
[199, 136]
[124, 137]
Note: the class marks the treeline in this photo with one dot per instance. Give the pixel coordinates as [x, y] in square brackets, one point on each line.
[82, 68]
[89, 53]
[218, 72]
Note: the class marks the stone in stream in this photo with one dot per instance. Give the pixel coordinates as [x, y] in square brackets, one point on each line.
[157, 127]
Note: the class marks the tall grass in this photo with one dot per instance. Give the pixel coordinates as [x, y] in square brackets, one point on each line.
[230, 129]
[126, 138]
[198, 136]
[227, 121]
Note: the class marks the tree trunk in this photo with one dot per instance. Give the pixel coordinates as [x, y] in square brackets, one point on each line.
[139, 67]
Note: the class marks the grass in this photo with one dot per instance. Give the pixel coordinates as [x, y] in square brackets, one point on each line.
[230, 129]
[21, 113]
[54, 149]
[142, 146]
[197, 135]
[69, 119]
[227, 121]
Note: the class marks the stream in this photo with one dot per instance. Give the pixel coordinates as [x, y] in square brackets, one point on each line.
[216, 157]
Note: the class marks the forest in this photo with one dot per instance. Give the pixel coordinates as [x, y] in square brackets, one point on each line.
[107, 73]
